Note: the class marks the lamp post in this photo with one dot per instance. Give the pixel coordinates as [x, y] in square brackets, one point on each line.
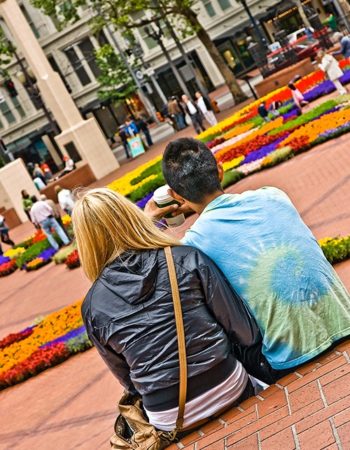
[157, 35]
[257, 30]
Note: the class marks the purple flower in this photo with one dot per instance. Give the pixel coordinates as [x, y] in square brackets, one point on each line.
[262, 152]
[324, 88]
[71, 334]
[47, 254]
[142, 203]
[4, 259]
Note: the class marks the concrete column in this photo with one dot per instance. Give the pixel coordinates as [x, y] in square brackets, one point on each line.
[53, 152]
[13, 178]
[212, 69]
[94, 150]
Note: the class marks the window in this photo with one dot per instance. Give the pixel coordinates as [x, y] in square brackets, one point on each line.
[30, 21]
[18, 106]
[209, 8]
[77, 66]
[88, 50]
[56, 68]
[224, 4]
[4, 108]
[150, 42]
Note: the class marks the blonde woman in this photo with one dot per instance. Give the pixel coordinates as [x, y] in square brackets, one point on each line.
[129, 316]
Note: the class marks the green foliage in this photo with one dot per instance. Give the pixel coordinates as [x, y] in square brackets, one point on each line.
[32, 252]
[146, 188]
[278, 156]
[155, 169]
[61, 256]
[336, 249]
[231, 177]
[115, 79]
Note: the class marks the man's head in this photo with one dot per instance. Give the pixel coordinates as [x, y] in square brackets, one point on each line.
[185, 99]
[58, 189]
[191, 171]
[198, 94]
[43, 197]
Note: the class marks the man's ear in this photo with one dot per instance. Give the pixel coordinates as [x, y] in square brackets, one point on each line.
[220, 171]
[176, 196]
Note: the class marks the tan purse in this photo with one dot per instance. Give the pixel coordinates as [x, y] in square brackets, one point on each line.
[132, 430]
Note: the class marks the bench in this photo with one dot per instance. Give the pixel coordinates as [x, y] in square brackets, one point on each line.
[82, 176]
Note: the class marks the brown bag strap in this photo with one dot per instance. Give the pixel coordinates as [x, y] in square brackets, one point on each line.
[180, 337]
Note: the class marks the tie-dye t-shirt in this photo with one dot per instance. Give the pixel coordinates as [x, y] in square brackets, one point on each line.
[273, 261]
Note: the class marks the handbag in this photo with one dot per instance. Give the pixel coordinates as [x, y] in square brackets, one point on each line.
[132, 429]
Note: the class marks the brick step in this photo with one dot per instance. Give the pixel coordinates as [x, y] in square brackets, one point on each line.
[307, 409]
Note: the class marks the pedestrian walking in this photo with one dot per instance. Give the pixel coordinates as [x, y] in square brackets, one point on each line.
[176, 113]
[194, 112]
[65, 199]
[4, 233]
[56, 211]
[43, 217]
[344, 45]
[330, 66]
[143, 126]
[124, 140]
[206, 109]
[26, 202]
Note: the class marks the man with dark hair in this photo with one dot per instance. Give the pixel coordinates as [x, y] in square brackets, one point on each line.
[269, 256]
[194, 112]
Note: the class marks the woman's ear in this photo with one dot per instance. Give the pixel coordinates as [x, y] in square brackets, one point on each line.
[220, 171]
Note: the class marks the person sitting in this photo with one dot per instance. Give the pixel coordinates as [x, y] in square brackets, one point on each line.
[4, 234]
[69, 166]
[43, 217]
[297, 96]
[65, 199]
[263, 112]
[276, 266]
[129, 315]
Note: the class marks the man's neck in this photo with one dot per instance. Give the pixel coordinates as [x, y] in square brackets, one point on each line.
[200, 207]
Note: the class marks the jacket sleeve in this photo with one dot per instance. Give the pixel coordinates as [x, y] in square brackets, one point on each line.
[226, 305]
[115, 362]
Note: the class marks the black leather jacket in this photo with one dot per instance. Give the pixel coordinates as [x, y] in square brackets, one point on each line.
[129, 317]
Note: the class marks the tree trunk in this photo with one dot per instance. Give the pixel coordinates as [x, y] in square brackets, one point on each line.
[302, 14]
[203, 36]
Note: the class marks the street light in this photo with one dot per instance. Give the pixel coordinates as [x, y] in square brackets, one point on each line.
[258, 32]
[157, 35]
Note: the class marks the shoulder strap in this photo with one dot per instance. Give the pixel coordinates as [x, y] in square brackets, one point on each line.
[180, 337]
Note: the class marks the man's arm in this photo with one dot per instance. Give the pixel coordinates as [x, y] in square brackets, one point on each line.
[153, 211]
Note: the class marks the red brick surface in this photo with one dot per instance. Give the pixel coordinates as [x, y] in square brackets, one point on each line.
[73, 406]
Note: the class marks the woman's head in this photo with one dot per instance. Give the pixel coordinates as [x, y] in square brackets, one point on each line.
[24, 193]
[106, 224]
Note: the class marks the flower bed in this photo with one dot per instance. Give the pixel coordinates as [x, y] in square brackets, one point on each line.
[45, 344]
[73, 260]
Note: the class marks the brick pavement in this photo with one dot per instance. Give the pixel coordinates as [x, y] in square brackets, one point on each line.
[72, 406]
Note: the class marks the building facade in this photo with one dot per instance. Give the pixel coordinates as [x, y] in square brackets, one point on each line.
[26, 130]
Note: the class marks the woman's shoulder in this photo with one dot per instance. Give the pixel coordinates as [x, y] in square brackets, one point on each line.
[190, 257]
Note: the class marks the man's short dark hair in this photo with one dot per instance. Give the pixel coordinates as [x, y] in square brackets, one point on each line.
[190, 169]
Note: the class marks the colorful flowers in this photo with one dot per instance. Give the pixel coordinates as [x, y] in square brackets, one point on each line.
[6, 268]
[73, 260]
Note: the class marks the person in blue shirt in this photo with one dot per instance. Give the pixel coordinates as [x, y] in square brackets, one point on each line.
[344, 45]
[268, 255]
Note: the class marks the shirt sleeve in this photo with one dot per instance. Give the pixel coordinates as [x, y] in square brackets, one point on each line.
[226, 305]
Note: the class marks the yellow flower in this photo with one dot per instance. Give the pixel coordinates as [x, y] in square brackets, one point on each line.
[233, 163]
[14, 252]
[66, 219]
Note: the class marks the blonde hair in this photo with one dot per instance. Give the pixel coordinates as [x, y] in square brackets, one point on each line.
[106, 224]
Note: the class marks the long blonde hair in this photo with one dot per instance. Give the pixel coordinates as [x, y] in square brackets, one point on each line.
[106, 224]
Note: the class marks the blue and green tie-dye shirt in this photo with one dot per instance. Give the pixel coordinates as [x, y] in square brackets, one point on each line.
[273, 261]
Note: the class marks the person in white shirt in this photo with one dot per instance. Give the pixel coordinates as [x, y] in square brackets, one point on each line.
[65, 199]
[42, 216]
[194, 112]
[205, 107]
[69, 166]
[330, 66]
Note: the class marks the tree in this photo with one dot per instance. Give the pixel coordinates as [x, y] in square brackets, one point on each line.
[115, 80]
[129, 14]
